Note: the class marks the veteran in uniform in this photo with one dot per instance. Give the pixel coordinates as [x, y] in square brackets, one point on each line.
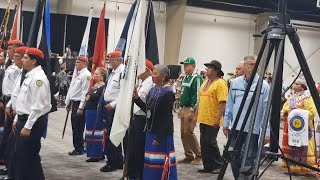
[33, 102]
[8, 138]
[12, 45]
[111, 94]
[75, 101]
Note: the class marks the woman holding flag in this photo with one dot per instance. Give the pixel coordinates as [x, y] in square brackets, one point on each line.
[160, 161]
[95, 144]
[299, 112]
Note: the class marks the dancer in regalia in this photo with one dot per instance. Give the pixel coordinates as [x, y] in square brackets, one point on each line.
[300, 104]
[160, 161]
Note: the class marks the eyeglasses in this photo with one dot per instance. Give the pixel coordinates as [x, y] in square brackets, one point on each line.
[251, 64]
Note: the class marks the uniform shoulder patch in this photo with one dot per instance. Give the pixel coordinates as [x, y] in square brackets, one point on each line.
[39, 83]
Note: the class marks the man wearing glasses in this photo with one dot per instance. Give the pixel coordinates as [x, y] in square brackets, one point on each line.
[235, 96]
[75, 102]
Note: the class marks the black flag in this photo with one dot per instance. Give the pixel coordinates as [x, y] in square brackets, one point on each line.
[151, 36]
[38, 30]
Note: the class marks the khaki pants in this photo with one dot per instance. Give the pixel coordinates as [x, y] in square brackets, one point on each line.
[189, 139]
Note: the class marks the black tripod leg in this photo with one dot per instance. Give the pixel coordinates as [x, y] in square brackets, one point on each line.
[270, 104]
[276, 104]
[226, 150]
[246, 170]
[293, 36]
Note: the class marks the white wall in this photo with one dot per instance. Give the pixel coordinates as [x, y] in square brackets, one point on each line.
[220, 35]
[310, 43]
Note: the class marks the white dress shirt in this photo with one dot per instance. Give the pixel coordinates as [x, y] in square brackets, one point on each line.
[79, 88]
[113, 86]
[34, 97]
[15, 92]
[9, 79]
[143, 91]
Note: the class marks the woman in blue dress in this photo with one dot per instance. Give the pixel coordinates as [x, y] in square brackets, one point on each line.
[160, 161]
[95, 145]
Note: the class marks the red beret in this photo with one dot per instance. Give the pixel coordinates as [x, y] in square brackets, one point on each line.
[15, 42]
[21, 49]
[35, 52]
[149, 64]
[1, 50]
[115, 54]
[83, 59]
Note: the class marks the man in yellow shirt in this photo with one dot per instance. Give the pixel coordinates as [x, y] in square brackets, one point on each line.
[213, 97]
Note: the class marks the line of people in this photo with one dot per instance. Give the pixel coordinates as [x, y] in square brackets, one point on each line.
[24, 104]
[149, 147]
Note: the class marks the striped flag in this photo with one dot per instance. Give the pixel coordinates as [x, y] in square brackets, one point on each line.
[135, 63]
[121, 46]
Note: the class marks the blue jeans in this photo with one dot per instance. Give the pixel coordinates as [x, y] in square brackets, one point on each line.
[253, 148]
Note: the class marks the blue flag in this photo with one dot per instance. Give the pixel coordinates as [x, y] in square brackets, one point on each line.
[121, 46]
[47, 25]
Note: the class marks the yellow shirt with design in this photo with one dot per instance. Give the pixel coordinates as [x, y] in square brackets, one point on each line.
[208, 109]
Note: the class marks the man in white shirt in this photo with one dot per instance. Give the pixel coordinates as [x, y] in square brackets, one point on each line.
[33, 102]
[137, 134]
[12, 45]
[8, 136]
[75, 100]
[111, 95]
[12, 71]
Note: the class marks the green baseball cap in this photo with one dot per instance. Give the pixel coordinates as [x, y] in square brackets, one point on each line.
[189, 60]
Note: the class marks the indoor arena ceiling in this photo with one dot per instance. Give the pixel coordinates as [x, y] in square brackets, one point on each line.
[298, 9]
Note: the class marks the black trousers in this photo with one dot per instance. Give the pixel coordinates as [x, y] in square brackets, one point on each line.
[78, 124]
[137, 138]
[211, 156]
[10, 154]
[113, 153]
[6, 146]
[27, 161]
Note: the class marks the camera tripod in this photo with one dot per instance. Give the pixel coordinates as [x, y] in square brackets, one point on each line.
[273, 42]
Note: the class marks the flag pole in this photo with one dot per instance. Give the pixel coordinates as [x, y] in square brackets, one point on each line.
[130, 128]
[65, 34]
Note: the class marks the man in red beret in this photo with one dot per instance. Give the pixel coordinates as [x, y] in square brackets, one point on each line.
[11, 74]
[75, 100]
[33, 103]
[12, 45]
[7, 143]
[111, 94]
[137, 137]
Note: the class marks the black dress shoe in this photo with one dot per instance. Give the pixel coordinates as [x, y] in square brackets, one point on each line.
[74, 152]
[216, 171]
[4, 171]
[108, 168]
[204, 170]
[93, 159]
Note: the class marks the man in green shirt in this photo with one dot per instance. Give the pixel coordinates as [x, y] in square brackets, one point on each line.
[188, 101]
